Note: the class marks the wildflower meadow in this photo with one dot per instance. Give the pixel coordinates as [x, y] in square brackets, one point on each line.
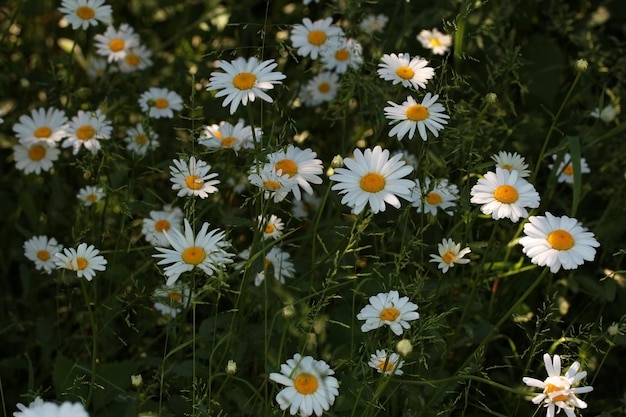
[312, 207]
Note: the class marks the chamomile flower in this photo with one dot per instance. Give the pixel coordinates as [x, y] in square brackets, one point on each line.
[347, 55]
[565, 170]
[302, 165]
[559, 391]
[96, 67]
[160, 103]
[139, 139]
[388, 309]
[303, 208]
[310, 386]
[411, 72]
[205, 251]
[115, 44]
[39, 408]
[161, 221]
[311, 38]
[87, 129]
[275, 184]
[90, 195]
[136, 59]
[42, 125]
[450, 253]
[170, 300]
[557, 242]
[84, 260]
[193, 178]
[85, 13]
[386, 364]
[244, 80]
[373, 178]
[607, 114]
[512, 162]
[411, 115]
[374, 23]
[272, 226]
[228, 136]
[433, 39]
[35, 157]
[434, 195]
[280, 263]
[320, 89]
[42, 251]
[503, 194]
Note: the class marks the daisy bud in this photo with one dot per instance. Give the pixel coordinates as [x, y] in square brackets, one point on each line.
[491, 98]
[337, 162]
[404, 347]
[581, 65]
[136, 380]
[289, 311]
[613, 329]
[231, 367]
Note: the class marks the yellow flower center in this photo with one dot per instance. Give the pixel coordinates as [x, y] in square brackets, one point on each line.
[372, 182]
[162, 225]
[43, 255]
[266, 263]
[506, 194]
[550, 388]
[569, 170]
[417, 113]
[92, 198]
[194, 182]
[385, 365]
[141, 139]
[81, 263]
[43, 132]
[342, 55]
[85, 132]
[317, 37]
[389, 314]
[244, 80]
[193, 255]
[323, 87]
[175, 296]
[434, 42]
[37, 153]
[508, 167]
[305, 384]
[433, 198]
[560, 239]
[161, 103]
[269, 228]
[85, 12]
[287, 166]
[271, 185]
[116, 44]
[131, 60]
[227, 142]
[405, 72]
[448, 257]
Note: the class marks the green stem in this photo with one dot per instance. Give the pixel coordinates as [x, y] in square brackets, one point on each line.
[94, 340]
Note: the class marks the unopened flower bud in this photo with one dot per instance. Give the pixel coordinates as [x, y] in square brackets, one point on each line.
[289, 311]
[613, 329]
[581, 65]
[136, 380]
[231, 367]
[337, 161]
[491, 98]
[404, 347]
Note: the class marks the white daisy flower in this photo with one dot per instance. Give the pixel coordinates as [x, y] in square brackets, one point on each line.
[450, 253]
[160, 103]
[139, 139]
[347, 55]
[272, 226]
[275, 184]
[386, 364]
[320, 89]
[115, 44]
[434, 195]
[205, 251]
[607, 114]
[84, 260]
[504, 195]
[90, 195]
[374, 23]
[159, 222]
[35, 157]
[439, 43]
[47, 125]
[137, 59]
[42, 251]
[373, 178]
[300, 164]
[87, 129]
[39, 408]
[407, 157]
[303, 208]
[411, 72]
[244, 80]
[170, 300]
[557, 242]
[512, 162]
[310, 388]
[565, 170]
[96, 67]
[559, 391]
[410, 115]
[388, 309]
[85, 13]
[193, 179]
[311, 38]
[228, 136]
[282, 267]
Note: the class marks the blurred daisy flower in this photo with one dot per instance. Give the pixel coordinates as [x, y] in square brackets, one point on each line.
[276, 259]
[374, 23]
[244, 80]
[84, 260]
[170, 300]
[39, 408]
[433, 39]
[320, 89]
[229, 136]
[114, 44]
[607, 114]
[90, 195]
[96, 67]
[411, 72]
[165, 220]
[139, 139]
[450, 253]
[193, 178]
[373, 178]
[160, 103]
[565, 170]
[559, 391]
[347, 55]
[85, 13]
[275, 184]
[137, 59]
[410, 115]
[36, 157]
[557, 242]
[301, 165]
[42, 251]
[386, 364]
[503, 194]
[42, 125]
[310, 386]
[388, 309]
[311, 38]
[272, 226]
[511, 162]
[434, 195]
[303, 208]
[205, 251]
[87, 129]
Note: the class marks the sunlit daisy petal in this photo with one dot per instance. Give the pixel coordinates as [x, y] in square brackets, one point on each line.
[302, 165]
[85, 13]
[84, 260]
[511, 162]
[153, 228]
[450, 253]
[434, 195]
[35, 157]
[193, 178]
[388, 309]
[160, 103]
[42, 125]
[115, 44]
[229, 136]
[401, 68]
[272, 226]
[87, 129]
[41, 408]
[386, 364]
[411, 115]
[311, 38]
